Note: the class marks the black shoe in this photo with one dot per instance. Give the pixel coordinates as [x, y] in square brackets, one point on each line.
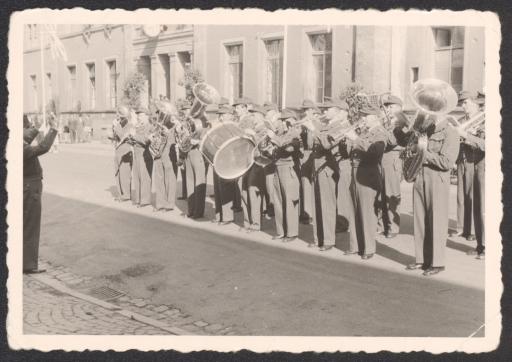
[433, 270]
[277, 237]
[348, 252]
[456, 233]
[222, 223]
[472, 252]
[366, 256]
[414, 266]
[326, 247]
[289, 239]
[481, 255]
[311, 245]
[390, 235]
[34, 271]
[471, 237]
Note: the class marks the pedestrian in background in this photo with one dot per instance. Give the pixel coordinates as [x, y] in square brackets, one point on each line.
[32, 190]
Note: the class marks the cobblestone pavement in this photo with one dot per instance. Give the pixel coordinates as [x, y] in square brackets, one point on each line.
[47, 310]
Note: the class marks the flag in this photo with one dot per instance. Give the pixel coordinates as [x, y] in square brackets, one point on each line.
[56, 47]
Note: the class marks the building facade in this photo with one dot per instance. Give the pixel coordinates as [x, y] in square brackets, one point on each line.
[281, 64]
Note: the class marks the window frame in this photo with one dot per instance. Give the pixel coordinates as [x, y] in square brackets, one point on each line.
[323, 53]
[73, 94]
[451, 48]
[87, 80]
[265, 61]
[225, 66]
[108, 95]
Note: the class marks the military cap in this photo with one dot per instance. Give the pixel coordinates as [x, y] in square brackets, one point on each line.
[123, 111]
[463, 95]
[29, 134]
[389, 98]
[341, 104]
[223, 101]
[224, 109]
[258, 109]
[480, 98]
[369, 110]
[287, 113]
[269, 106]
[243, 100]
[142, 110]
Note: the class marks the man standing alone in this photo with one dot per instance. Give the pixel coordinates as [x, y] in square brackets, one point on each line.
[32, 190]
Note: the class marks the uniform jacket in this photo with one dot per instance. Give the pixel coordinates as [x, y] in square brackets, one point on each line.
[31, 166]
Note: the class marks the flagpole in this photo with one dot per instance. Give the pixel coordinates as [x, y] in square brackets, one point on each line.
[285, 60]
[43, 90]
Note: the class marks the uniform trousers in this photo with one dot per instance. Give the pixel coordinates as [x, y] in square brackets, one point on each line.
[364, 187]
[196, 183]
[324, 212]
[32, 190]
[286, 200]
[142, 170]
[431, 192]
[269, 172]
[344, 205]
[465, 177]
[251, 186]
[479, 204]
[306, 195]
[223, 196]
[164, 181]
[124, 174]
[389, 210]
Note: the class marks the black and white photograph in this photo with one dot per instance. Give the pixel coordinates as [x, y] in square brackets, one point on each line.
[242, 177]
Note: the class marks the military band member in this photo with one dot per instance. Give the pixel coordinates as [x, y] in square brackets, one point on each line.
[286, 180]
[32, 191]
[252, 183]
[196, 173]
[164, 176]
[241, 109]
[366, 152]
[325, 178]
[431, 191]
[310, 112]
[123, 153]
[224, 190]
[465, 175]
[180, 161]
[271, 117]
[477, 142]
[389, 210]
[142, 161]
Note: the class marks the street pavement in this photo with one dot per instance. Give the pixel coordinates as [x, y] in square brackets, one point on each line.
[263, 287]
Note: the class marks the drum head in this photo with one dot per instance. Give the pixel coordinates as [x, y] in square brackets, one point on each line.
[234, 158]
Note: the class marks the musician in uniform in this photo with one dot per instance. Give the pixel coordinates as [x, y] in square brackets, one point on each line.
[180, 158]
[240, 110]
[365, 150]
[32, 191]
[476, 140]
[391, 165]
[122, 132]
[252, 183]
[325, 176]
[164, 176]
[195, 172]
[286, 181]
[431, 190]
[271, 117]
[142, 160]
[465, 175]
[310, 113]
[224, 190]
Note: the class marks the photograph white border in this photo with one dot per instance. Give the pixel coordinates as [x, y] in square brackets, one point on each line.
[494, 179]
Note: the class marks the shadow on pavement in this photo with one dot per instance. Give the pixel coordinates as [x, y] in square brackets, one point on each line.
[268, 290]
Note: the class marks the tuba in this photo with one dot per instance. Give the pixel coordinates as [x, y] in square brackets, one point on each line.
[158, 138]
[204, 95]
[434, 99]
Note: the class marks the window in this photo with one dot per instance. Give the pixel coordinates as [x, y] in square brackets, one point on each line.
[112, 83]
[91, 84]
[414, 74]
[72, 86]
[449, 55]
[274, 71]
[321, 46]
[33, 84]
[235, 70]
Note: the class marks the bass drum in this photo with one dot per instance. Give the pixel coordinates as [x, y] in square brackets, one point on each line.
[225, 148]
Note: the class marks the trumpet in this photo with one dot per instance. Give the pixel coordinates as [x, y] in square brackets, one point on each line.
[472, 126]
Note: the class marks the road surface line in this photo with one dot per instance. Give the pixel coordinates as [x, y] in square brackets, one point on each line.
[138, 317]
